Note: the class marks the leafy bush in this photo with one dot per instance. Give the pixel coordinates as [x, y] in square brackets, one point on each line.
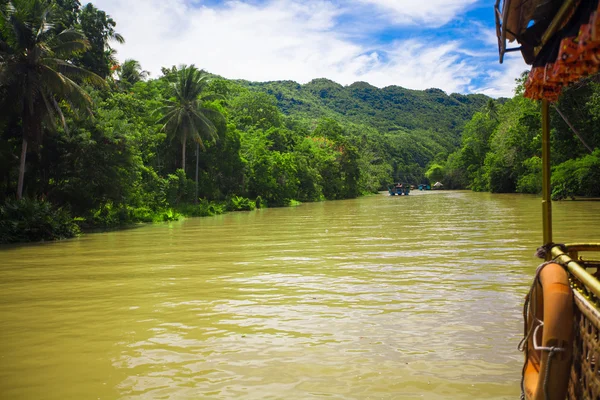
[260, 203]
[29, 220]
[110, 215]
[531, 182]
[204, 208]
[179, 189]
[145, 214]
[238, 203]
[578, 177]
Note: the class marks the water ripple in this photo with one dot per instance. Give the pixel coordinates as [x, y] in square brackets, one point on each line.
[380, 297]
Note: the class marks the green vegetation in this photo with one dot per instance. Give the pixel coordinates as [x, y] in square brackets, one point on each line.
[35, 73]
[101, 145]
[501, 146]
[32, 220]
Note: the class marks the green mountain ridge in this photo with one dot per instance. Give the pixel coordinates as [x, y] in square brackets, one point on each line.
[389, 109]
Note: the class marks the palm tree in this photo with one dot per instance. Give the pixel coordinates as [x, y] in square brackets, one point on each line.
[492, 109]
[35, 74]
[184, 114]
[131, 72]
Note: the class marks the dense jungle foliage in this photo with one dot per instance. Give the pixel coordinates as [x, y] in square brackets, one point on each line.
[501, 146]
[87, 142]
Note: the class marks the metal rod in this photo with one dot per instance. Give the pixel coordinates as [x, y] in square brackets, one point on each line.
[577, 270]
[500, 32]
[546, 199]
[584, 247]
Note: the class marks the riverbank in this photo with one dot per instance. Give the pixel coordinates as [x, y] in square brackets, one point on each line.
[30, 220]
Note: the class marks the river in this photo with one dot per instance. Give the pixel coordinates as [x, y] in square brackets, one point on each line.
[374, 298]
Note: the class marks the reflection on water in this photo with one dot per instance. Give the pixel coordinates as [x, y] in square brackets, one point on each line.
[379, 297]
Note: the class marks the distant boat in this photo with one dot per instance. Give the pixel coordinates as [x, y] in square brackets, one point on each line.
[399, 189]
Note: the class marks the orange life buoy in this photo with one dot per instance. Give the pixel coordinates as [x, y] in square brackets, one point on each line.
[549, 334]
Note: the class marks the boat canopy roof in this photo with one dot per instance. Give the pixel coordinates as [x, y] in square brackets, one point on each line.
[560, 39]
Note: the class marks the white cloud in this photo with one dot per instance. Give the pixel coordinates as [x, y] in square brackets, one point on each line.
[428, 12]
[500, 82]
[292, 40]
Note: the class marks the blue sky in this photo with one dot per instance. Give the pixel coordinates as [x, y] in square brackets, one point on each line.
[417, 44]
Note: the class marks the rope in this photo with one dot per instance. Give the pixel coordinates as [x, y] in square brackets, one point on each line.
[547, 372]
[544, 250]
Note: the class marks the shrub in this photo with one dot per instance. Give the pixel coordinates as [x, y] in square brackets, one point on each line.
[110, 215]
[30, 220]
[260, 203]
[179, 189]
[204, 208]
[238, 203]
[531, 181]
[578, 177]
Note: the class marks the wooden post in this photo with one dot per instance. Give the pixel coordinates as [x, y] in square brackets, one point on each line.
[197, 157]
[546, 194]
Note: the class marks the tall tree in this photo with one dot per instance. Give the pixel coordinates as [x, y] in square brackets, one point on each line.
[185, 117]
[66, 14]
[35, 74]
[99, 29]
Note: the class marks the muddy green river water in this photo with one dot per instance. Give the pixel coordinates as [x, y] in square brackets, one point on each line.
[415, 297]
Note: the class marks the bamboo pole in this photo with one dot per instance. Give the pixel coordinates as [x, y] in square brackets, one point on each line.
[196, 187]
[546, 199]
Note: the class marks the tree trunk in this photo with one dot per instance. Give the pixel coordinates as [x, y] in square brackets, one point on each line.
[183, 153]
[22, 169]
[197, 157]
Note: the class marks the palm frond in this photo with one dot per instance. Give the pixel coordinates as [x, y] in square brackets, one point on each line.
[60, 115]
[118, 38]
[206, 127]
[72, 71]
[65, 89]
[44, 24]
[49, 111]
[21, 32]
[69, 35]
[212, 113]
[66, 50]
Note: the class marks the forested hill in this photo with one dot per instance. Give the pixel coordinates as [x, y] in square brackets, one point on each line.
[389, 109]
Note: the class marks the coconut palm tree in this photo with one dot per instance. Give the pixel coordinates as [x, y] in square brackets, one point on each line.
[35, 71]
[130, 72]
[184, 114]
